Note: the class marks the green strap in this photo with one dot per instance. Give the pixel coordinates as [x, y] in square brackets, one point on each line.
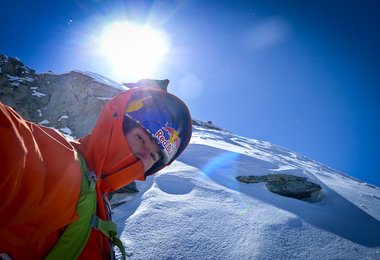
[117, 242]
[109, 229]
[75, 236]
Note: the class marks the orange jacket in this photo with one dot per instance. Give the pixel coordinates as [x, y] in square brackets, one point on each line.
[39, 187]
[40, 179]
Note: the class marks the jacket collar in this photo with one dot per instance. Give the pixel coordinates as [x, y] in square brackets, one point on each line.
[106, 150]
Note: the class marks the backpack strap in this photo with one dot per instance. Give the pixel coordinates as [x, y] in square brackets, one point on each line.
[109, 229]
[76, 234]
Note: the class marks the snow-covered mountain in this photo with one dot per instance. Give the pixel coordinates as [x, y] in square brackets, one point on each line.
[196, 208]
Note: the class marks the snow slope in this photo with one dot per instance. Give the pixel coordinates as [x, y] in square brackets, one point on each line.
[195, 209]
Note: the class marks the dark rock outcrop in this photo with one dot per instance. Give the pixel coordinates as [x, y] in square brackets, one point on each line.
[208, 125]
[285, 185]
[13, 66]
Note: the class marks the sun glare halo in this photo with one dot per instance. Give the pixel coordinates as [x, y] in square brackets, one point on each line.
[133, 50]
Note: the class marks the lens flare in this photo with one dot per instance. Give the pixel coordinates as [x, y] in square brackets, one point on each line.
[222, 169]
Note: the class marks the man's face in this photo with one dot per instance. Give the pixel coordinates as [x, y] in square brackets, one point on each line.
[143, 147]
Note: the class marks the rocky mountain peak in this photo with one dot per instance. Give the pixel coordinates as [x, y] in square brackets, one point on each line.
[14, 67]
[69, 102]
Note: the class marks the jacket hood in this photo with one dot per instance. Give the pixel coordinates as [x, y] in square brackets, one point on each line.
[109, 156]
[107, 152]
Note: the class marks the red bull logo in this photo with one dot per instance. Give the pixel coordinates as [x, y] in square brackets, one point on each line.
[170, 145]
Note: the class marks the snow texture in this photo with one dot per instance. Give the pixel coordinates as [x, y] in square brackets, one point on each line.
[195, 209]
[63, 117]
[19, 79]
[44, 122]
[66, 131]
[104, 98]
[38, 94]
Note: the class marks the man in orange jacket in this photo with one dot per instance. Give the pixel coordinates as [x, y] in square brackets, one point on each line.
[138, 132]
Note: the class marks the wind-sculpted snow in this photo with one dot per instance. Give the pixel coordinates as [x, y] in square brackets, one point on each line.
[196, 209]
[173, 184]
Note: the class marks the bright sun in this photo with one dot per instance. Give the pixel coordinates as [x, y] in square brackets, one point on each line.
[133, 50]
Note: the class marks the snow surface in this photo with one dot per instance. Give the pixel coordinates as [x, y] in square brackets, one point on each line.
[63, 117]
[19, 79]
[195, 208]
[44, 122]
[38, 94]
[104, 98]
[66, 130]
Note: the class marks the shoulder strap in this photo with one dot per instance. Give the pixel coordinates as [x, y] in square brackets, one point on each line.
[109, 229]
[75, 236]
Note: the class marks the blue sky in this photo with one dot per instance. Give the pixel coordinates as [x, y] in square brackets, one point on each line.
[300, 74]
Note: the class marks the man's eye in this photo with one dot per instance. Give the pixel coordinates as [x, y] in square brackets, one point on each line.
[153, 156]
[140, 139]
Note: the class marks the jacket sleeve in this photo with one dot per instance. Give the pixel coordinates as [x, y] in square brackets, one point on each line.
[21, 172]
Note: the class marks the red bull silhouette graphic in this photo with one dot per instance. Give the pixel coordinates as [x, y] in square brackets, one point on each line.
[173, 135]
